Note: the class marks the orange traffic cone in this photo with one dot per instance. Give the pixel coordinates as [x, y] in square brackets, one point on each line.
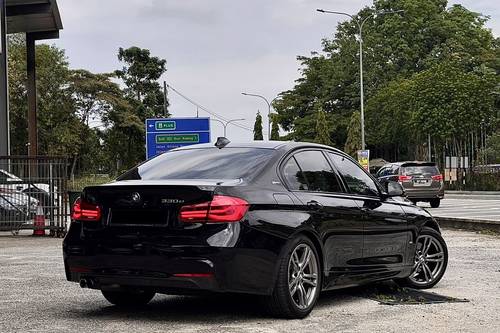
[39, 222]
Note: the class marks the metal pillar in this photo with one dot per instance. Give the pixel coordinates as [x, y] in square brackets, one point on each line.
[4, 101]
[31, 90]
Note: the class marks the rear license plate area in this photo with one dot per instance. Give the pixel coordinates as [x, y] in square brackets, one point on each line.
[421, 182]
[138, 217]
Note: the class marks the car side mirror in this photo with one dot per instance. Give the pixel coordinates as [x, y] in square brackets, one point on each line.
[394, 189]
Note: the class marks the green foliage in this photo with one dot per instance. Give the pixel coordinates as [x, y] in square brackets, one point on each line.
[323, 129]
[493, 148]
[275, 129]
[457, 57]
[353, 143]
[140, 74]
[257, 128]
[447, 101]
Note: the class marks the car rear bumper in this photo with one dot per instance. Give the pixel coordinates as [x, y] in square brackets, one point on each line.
[425, 193]
[171, 269]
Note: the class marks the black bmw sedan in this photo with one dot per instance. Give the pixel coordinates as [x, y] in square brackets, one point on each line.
[283, 220]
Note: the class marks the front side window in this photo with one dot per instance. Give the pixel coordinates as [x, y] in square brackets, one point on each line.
[357, 180]
[317, 172]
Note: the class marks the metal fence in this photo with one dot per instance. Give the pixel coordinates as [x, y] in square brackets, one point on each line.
[33, 194]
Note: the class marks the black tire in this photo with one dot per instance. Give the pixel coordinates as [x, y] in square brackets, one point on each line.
[435, 203]
[409, 282]
[280, 303]
[129, 297]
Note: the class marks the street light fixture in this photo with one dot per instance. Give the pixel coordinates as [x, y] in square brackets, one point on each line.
[269, 104]
[360, 25]
[224, 124]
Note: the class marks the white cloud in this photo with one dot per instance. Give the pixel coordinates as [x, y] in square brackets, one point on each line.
[215, 48]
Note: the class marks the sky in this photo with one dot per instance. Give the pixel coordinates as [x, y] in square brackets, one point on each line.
[215, 49]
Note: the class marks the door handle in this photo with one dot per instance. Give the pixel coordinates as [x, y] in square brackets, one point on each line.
[313, 204]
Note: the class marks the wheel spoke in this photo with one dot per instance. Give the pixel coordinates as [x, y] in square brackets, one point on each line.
[294, 286]
[305, 258]
[295, 260]
[427, 248]
[435, 256]
[310, 279]
[427, 272]
[302, 295]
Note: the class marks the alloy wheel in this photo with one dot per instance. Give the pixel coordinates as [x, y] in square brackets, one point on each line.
[429, 260]
[303, 276]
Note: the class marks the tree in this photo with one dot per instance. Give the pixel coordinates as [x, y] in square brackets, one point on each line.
[257, 128]
[94, 96]
[275, 129]
[322, 129]
[353, 143]
[396, 47]
[58, 127]
[140, 74]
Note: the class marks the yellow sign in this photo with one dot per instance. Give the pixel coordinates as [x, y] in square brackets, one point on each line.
[364, 159]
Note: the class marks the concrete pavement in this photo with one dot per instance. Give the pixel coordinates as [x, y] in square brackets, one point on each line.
[35, 297]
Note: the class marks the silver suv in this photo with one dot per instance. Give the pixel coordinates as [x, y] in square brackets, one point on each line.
[421, 181]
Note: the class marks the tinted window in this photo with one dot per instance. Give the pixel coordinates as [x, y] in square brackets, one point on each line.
[293, 176]
[317, 172]
[425, 170]
[210, 163]
[356, 178]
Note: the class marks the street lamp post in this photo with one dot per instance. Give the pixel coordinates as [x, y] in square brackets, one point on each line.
[224, 124]
[269, 104]
[360, 25]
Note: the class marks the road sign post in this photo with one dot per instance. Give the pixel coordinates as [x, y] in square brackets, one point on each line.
[163, 134]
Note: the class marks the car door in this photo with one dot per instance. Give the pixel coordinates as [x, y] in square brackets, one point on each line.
[333, 214]
[386, 231]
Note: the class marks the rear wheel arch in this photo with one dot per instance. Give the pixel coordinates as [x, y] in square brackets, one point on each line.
[317, 244]
[432, 225]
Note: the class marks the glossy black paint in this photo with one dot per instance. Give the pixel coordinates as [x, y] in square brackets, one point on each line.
[359, 238]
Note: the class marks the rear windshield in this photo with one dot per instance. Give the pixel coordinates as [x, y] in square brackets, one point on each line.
[211, 163]
[425, 170]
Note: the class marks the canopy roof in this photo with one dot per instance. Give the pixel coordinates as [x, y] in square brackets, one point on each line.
[39, 17]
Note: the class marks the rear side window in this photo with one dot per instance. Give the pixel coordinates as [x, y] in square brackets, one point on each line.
[293, 176]
[417, 170]
[210, 163]
[317, 172]
[356, 178]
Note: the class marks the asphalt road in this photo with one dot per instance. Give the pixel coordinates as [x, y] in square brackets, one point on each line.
[34, 297]
[467, 207]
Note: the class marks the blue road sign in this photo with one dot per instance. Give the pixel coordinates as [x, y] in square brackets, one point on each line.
[163, 134]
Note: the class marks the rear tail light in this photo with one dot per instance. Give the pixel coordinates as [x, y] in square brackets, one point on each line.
[404, 178]
[85, 211]
[438, 177]
[221, 209]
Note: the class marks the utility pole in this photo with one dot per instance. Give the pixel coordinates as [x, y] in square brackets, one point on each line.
[165, 94]
[360, 25]
[4, 100]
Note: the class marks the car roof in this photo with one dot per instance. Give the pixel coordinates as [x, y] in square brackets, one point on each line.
[288, 145]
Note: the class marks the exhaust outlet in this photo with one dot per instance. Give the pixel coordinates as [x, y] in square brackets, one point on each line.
[87, 283]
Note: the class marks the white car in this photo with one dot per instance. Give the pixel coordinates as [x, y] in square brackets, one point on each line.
[20, 184]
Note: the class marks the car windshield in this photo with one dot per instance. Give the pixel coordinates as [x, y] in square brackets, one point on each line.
[425, 170]
[210, 163]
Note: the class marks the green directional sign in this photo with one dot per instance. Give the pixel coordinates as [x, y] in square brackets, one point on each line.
[165, 125]
[177, 138]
